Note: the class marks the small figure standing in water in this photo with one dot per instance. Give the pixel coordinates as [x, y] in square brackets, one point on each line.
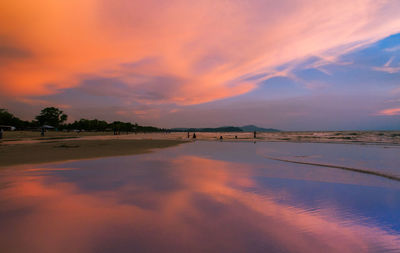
[188, 135]
[1, 133]
[235, 136]
[194, 135]
[42, 132]
[221, 138]
[255, 134]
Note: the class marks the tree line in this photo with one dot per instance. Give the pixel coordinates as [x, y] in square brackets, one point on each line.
[54, 117]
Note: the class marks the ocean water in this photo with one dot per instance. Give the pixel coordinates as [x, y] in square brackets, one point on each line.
[208, 196]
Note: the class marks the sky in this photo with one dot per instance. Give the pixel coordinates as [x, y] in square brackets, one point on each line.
[290, 64]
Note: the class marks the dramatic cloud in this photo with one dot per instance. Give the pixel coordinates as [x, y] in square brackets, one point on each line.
[167, 62]
[182, 52]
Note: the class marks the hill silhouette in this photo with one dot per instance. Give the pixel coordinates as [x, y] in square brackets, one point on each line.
[247, 128]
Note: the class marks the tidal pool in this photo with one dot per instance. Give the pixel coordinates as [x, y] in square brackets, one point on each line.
[207, 197]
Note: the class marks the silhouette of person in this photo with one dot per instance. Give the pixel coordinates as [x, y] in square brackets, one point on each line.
[220, 137]
[255, 134]
[188, 135]
[235, 136]
[1, 133]
[194, 135]
[42, 132]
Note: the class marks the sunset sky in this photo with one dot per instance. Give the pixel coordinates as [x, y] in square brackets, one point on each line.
[289, 64]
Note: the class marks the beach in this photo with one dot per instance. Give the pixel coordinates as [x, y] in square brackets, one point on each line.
[363, 137]
[202, 196]
[23, 147]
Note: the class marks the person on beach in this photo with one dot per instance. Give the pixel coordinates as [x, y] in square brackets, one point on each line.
[221, 138]
[188, 135]
[1, 133]
[42, 132]
[194, 135]
[255, 134]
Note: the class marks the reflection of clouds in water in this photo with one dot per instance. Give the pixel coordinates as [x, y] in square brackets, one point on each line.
[188, 204]
[48, 169]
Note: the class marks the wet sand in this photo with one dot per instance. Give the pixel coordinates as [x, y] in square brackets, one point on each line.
[57, 150]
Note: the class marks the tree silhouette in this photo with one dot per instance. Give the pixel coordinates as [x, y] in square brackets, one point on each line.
[51, 116]
[7, 118]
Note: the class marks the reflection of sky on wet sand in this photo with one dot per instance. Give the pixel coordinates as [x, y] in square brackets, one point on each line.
[192, 198]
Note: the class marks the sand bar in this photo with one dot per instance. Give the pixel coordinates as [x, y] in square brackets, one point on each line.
[52, 151]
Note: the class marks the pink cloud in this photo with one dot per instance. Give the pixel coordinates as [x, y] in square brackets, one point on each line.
[390, 112]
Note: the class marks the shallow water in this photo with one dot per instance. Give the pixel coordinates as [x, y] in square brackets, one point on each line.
[207, 197]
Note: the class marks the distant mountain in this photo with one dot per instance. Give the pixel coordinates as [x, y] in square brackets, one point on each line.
[208, 129]
[248, 128]
[252, 128]
[179, 129]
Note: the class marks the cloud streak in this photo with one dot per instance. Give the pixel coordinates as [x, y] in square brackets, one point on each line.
[388, 68]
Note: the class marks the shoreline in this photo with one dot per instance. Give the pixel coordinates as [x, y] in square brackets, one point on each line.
[59, 146]
[345, 137]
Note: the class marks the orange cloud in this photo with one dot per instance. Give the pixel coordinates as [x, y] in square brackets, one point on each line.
[207, 45]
